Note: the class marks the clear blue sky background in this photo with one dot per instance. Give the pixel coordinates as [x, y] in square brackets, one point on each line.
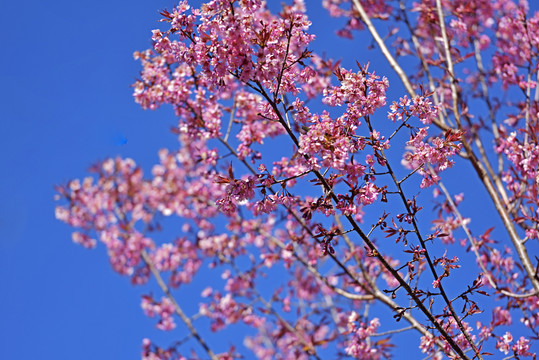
[65, 70]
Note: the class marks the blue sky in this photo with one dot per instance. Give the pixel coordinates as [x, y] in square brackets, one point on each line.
[66, 103]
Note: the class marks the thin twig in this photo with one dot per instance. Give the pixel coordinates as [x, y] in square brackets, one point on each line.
[396, 331]
[231, 120]
[475, 250]
[177, 307]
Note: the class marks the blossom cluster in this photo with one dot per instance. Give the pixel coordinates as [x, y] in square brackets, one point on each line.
[332, 140]
[360, 346]
[431, 159]
[164, 309]
[420, 106]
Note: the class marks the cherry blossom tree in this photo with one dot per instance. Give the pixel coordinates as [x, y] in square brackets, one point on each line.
[324, 206]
